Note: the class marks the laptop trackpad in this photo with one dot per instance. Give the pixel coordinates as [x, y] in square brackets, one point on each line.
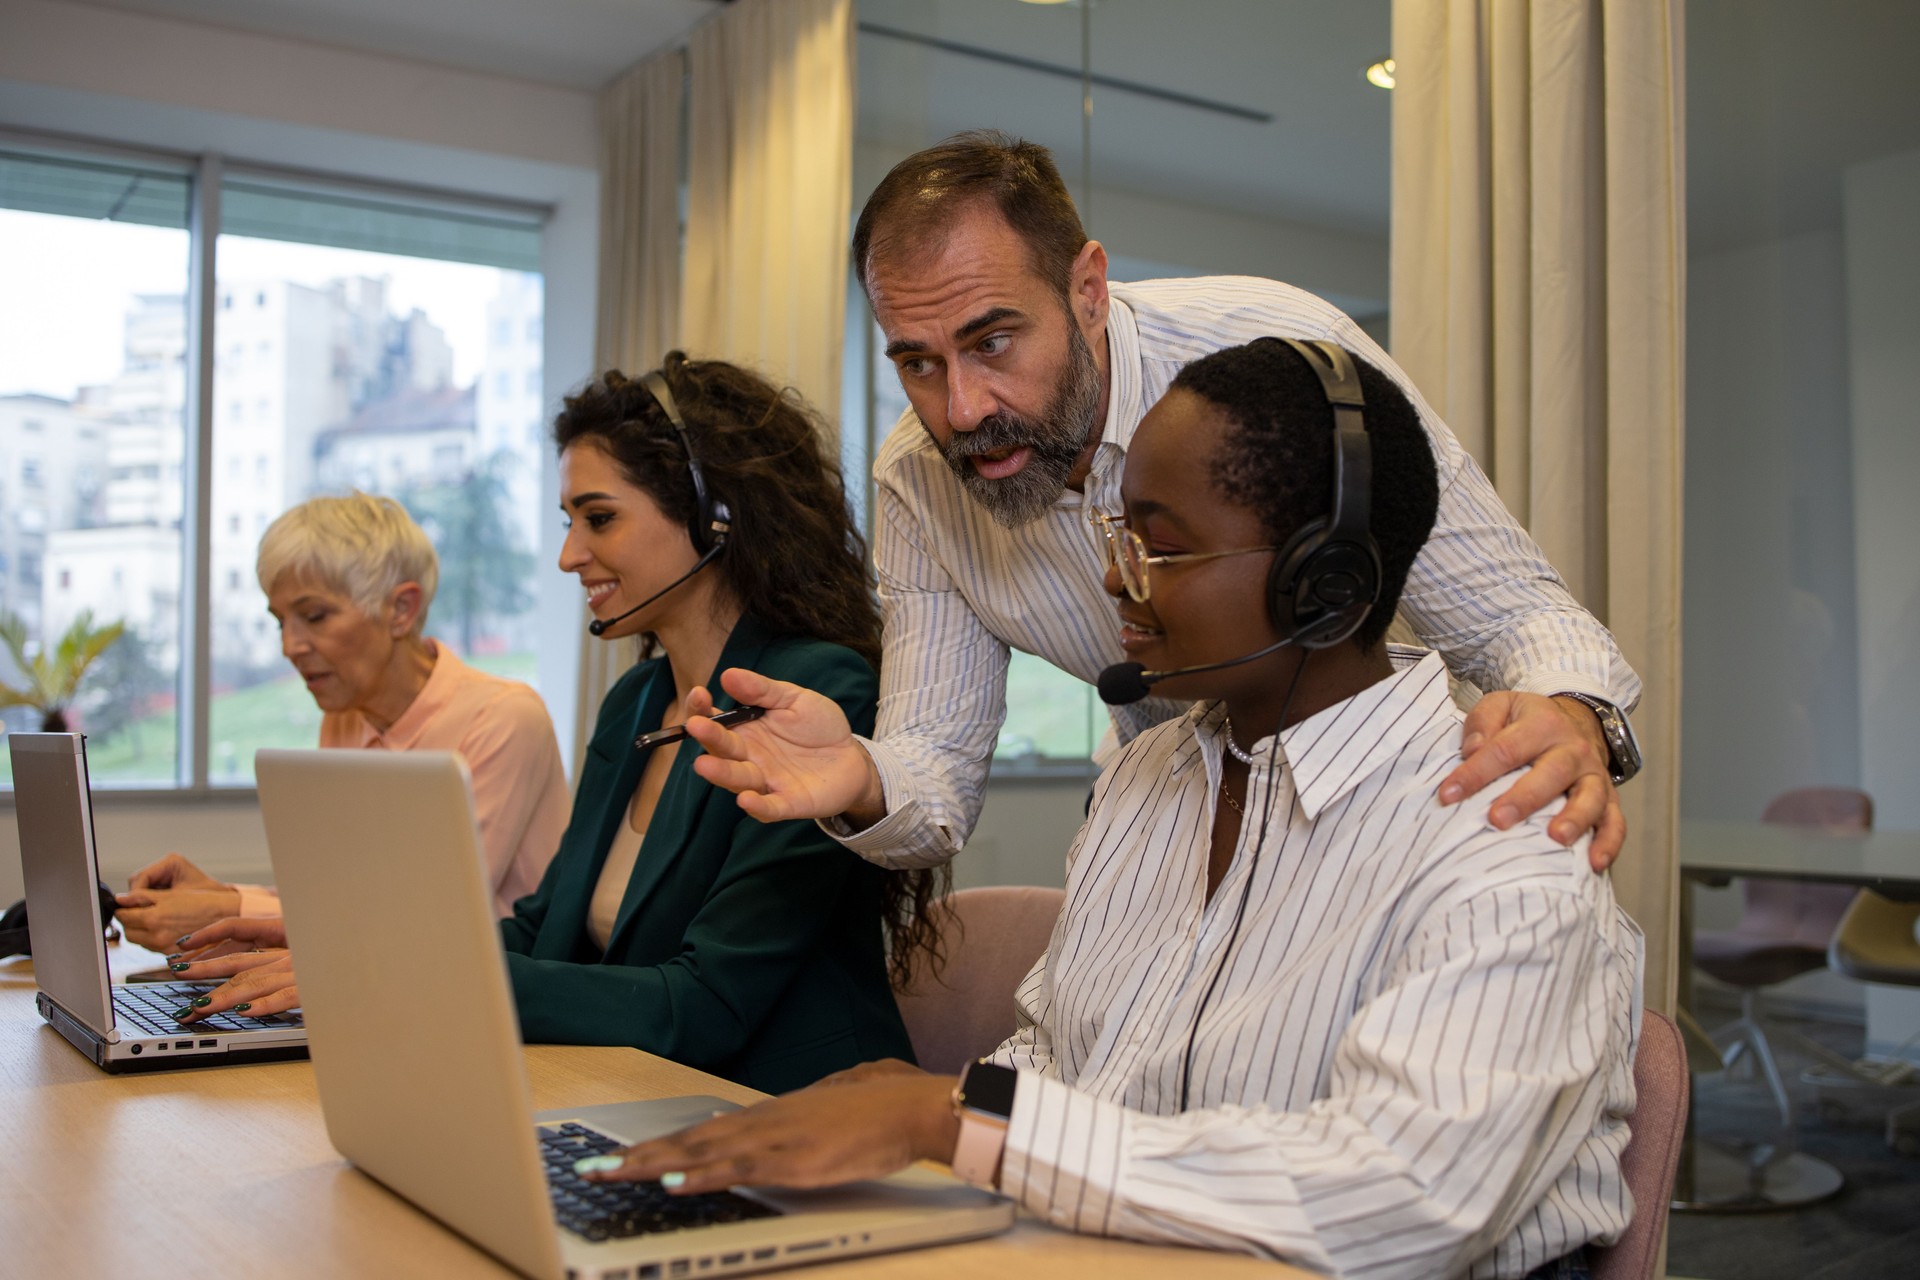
[637, 1121]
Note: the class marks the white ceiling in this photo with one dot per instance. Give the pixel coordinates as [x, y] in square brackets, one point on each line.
[1783, 94]
[1323, 160]
[578, 44]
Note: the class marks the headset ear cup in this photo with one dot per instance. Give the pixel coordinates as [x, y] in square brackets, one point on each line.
[1283, 580]
[1321, 591]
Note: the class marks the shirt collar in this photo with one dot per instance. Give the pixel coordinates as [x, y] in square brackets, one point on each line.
[1124, 390]
[432, 699]
[1334, 750]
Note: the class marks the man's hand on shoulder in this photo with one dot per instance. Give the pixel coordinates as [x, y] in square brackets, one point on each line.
[1559, 742]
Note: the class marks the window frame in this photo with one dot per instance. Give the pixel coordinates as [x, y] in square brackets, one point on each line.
[206, 171]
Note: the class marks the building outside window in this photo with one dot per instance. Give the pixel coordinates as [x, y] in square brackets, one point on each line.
[352, 333]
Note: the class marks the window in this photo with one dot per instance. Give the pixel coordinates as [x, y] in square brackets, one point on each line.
[93, 270]
[375, 309]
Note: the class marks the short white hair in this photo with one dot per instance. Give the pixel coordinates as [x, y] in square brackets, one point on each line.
[361, 545]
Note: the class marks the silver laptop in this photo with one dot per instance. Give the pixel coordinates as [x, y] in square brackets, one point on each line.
[122, 1028]
[416, 1052]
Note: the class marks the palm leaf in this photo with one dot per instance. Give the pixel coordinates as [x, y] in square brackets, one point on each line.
[51, 681]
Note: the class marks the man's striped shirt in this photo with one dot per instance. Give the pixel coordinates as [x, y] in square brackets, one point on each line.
[958, 589]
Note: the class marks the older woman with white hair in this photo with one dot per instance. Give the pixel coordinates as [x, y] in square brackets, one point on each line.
[349, 581]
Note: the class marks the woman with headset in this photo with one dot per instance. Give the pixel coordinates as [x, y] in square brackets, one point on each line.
[705, 523]
[1293, 1007]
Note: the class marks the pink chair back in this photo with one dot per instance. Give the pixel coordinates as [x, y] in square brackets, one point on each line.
[1785, 912]
[992, 939]
[1652, 1156]
[1835, 808]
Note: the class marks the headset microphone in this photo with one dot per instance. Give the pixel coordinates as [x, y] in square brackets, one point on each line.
[599, 628]
[711, 521]
[1127, 682]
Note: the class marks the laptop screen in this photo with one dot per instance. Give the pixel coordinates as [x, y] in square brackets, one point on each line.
[60, 866]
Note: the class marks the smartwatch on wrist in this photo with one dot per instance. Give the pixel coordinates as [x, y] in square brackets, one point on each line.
[1623, 749]
[984, 1102]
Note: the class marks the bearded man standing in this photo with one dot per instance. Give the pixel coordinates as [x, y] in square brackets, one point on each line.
[1027, 375]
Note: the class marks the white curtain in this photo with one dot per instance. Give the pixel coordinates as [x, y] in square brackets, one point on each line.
[769, 184]
[638, 322]
[1538, 267]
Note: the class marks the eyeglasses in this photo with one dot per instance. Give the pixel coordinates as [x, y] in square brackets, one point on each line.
[1127, 552]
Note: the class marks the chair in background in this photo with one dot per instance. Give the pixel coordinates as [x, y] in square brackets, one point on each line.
[992, 937]
[1876, 943]
[1784, 931]
[1658, 1125]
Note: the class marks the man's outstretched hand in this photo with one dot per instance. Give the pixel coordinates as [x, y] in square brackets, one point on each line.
[800, 760]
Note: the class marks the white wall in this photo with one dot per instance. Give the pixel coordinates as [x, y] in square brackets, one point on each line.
[131, 79]
[1882, 204]
[1769, 598]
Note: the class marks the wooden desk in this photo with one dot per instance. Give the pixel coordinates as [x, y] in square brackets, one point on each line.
[227, 1171]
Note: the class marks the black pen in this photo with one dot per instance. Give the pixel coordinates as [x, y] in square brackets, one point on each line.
[660, 737]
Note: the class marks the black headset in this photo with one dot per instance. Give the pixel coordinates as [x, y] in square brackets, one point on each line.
[16, 937]
[711, 521]
[1326, 579]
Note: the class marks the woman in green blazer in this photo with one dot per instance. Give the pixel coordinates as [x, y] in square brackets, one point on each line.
[704, 521]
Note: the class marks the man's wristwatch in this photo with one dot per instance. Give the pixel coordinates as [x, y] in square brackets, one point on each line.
[984, 1102]
[1623, 749]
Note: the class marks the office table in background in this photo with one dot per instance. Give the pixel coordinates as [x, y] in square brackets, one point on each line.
[1713, 851]
[227, 1171]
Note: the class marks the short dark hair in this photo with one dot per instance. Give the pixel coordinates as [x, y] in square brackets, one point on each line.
[1280, 461]
[920, 197]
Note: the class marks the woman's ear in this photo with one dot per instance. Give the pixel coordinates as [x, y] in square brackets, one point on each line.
[404, 606]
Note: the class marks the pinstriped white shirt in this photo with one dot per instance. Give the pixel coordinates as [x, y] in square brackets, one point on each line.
[958, 589]
[1419, 1055]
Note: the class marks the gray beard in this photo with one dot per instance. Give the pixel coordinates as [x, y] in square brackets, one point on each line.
[1056, 438]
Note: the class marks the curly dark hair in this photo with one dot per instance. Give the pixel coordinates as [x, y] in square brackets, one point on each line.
[795, 558]
[920, 197]
[1280, 462]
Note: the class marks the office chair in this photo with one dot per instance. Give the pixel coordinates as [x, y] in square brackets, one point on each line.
[1784, 931]
[1876, 943]
[992, 937]
[1658, 1124]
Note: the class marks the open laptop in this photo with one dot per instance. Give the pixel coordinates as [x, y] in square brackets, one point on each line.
[122, 1028]
[416, 1052]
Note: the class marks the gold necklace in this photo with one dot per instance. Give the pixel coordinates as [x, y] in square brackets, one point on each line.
[1228, 797]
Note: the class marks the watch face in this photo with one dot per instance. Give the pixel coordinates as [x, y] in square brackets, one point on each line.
[989, 1087]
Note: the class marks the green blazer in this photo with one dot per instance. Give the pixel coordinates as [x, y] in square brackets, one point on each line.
[747, 949]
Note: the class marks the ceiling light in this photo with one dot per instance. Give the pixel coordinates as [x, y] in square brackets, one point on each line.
[1381, 74]
[1048, 1]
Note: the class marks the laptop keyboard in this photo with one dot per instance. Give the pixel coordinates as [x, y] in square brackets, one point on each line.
[613, 1210]
[150, 1007]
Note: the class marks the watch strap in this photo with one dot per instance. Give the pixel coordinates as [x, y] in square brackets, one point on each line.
[983, 1128]
[1623, 752]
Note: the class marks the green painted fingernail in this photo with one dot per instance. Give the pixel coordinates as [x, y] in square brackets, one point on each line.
[180, 1015]
[597, 1164]
[182, 967]
[242, 1008]
[674, 1179]
[201, 1002]
[181, 941]
[176, 955]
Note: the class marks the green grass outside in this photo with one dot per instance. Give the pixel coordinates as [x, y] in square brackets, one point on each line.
[276, 713]
[1049, 713]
